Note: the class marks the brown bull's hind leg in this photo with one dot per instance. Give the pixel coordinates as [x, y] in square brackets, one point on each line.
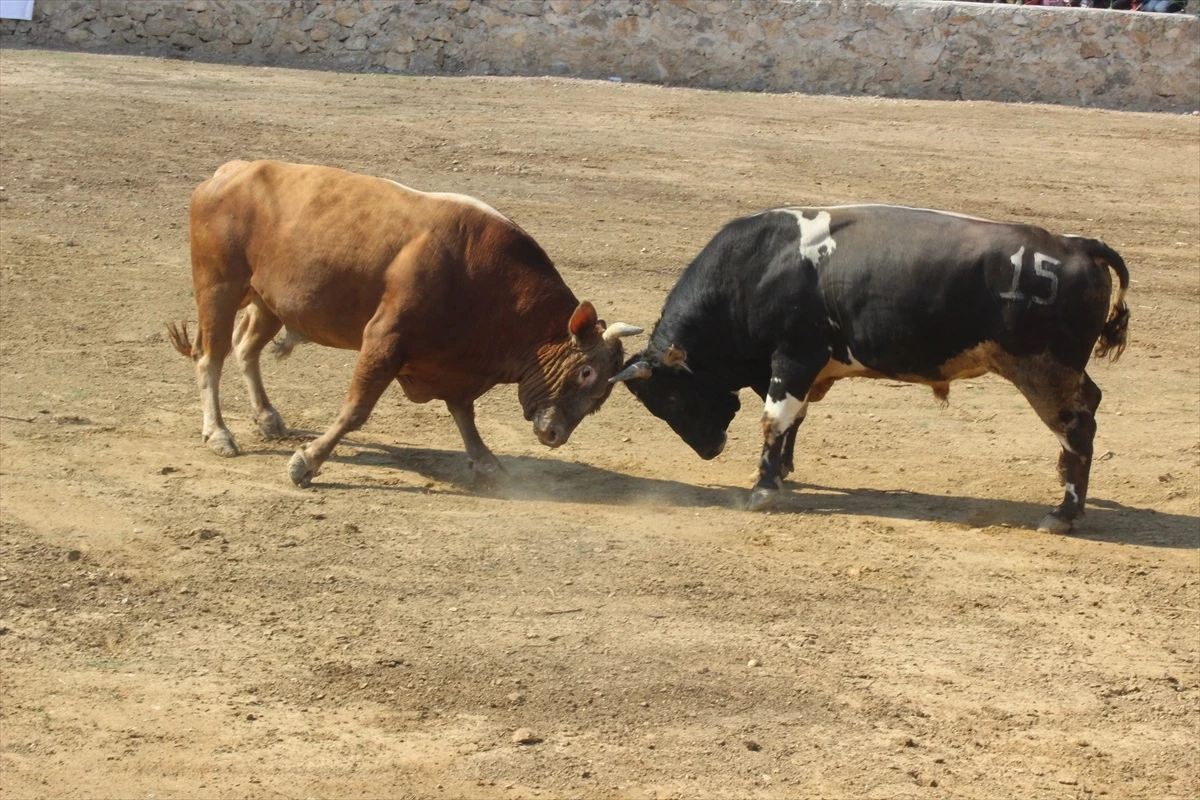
[487, 467]
[255, 329]
[379, 362]
[1066, 400]
[216, 306]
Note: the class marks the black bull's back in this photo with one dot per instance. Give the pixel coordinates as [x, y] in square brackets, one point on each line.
[791, 300]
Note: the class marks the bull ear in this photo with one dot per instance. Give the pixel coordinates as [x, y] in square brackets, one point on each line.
[583, 321]
[675, 357]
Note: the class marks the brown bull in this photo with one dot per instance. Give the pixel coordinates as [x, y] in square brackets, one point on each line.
[439, 292]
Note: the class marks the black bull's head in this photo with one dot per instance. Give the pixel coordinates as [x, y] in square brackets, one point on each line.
[696, 406]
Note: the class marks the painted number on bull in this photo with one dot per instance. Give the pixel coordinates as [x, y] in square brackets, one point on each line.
[1040, 263]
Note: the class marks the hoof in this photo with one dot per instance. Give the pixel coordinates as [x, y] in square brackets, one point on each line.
[1051, 523]
[221, 442]
[489, 474]
[762, 499]
[301, 470]
[271, 425]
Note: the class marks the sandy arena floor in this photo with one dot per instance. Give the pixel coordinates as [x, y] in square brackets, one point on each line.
[178, 625]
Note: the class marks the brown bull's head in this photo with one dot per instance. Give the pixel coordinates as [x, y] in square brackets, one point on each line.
[573, 376]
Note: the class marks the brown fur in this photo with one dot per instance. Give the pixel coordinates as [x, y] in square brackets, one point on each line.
[436, 291]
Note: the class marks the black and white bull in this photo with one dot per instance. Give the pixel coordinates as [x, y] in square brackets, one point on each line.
[789, 301]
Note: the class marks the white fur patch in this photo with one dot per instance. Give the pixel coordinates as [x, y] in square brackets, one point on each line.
[782, 413]
[816, 242]
[452, 197]
[210, 402]
[1071, 491]
[839, 369]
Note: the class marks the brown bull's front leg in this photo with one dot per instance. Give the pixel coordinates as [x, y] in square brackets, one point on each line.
[378, 363]
[488, 469]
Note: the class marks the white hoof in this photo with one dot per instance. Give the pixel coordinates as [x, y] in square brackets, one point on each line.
[761, 499]
[221, 442]
[1052, 524]
[301, 469]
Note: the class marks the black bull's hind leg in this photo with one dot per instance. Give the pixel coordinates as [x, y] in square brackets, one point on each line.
[1066, 400]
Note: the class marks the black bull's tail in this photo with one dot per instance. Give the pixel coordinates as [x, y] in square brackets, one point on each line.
[1116, 330]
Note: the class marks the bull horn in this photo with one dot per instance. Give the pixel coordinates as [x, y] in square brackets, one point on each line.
[638, 369]
[619, 330]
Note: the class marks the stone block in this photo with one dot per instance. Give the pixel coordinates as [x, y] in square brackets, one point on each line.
[369, 24]
[239, 35]
[356, 43]
[346, 16]
[77, 35]
[424, 61]
[159, 27]
[100, 30]
[318, 34]
[396, 61]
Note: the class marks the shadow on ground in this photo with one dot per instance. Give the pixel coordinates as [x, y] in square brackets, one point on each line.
[553, 480]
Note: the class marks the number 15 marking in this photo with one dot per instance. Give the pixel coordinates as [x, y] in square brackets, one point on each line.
[1039, 259]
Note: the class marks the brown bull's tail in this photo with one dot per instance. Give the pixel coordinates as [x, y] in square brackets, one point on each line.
[1115, 333]
[178, 334]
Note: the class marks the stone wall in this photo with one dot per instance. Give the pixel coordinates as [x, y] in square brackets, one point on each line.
[892, 48]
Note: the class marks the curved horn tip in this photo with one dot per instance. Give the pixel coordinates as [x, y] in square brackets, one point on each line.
[619, 330]
[638, 369]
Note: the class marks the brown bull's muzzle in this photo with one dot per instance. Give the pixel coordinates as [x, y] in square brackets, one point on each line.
[550, 427]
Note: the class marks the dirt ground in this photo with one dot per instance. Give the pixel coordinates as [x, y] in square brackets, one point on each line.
[180, 625]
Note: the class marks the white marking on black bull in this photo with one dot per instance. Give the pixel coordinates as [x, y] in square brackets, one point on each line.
[1066, 445]
[1040, 260]
[780, 414]
[816, 242]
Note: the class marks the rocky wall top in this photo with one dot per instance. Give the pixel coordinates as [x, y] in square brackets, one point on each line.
[891, 48]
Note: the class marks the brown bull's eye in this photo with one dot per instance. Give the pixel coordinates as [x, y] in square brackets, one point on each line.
[587, 376]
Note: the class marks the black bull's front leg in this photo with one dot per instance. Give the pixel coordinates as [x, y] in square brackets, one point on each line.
[784, 409]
